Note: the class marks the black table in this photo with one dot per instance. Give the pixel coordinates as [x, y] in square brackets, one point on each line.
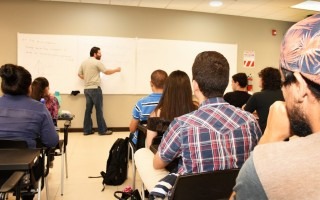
[67, 124]
[18, 159]
[143, 129]
[68, 117]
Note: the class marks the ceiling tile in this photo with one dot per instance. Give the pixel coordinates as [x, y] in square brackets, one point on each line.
[266, 9]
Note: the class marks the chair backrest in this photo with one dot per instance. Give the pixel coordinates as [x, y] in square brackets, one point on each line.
[43, 168]
[203, 186]
[12, 182]
[13, 144]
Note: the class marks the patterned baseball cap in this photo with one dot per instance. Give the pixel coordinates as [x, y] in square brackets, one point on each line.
[300, 48]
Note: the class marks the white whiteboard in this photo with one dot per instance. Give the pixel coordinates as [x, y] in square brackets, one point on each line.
[171, 55]
[58, 57]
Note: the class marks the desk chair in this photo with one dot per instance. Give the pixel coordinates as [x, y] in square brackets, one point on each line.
[132, 148]
[162, 126]
[62, 147]
[208, 185]
[13, 183]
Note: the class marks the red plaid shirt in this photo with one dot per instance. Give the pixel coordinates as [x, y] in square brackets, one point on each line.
[217, 136]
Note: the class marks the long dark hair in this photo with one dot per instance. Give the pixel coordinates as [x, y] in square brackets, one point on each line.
[16, 80]
[176, 99]
[38, 86]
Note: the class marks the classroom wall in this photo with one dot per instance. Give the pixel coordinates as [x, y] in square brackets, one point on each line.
[30, 16]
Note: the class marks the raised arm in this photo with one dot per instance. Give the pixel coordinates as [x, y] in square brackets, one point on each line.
[150, 133]
[278, 125]
[158, 163]
[81, 76]
[112, 71]
[149, 138]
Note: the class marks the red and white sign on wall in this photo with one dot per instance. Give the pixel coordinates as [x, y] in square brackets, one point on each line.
[248, 59]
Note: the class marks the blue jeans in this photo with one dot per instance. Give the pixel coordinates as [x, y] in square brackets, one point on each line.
[94, 97]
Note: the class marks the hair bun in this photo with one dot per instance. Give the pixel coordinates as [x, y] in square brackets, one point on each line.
[8, 73]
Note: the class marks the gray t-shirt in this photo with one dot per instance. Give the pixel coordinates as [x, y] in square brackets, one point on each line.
[91, 69]
[285, 170]
[248, 185]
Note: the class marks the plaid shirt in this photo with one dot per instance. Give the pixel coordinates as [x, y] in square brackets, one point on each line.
[217, 136]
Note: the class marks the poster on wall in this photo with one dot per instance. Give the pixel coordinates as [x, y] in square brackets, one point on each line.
[248, 59]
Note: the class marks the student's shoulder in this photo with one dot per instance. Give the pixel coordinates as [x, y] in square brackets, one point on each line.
[143, 99]
[150, 97]
[35, 107]
[228, 94]
[258, 95]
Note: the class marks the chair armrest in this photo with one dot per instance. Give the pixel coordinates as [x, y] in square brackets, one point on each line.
[12, 181]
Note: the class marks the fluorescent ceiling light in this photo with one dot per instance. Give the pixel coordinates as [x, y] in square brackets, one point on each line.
[308, 5]
[215, 3]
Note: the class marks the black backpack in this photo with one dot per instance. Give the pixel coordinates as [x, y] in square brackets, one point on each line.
[117, 163]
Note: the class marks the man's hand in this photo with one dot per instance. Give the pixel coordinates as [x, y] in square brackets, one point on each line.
[112, 71]
[81, 76]
[118, 69]
[278, 125]
[158, 163]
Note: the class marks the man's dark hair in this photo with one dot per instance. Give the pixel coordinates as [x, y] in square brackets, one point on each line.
[16, 80]
[211, 71]
[94, 50]
[158, 78]
[289, 79]
[241, 78]
[270, 78]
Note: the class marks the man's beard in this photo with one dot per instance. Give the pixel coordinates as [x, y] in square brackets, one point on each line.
[299, 125]
[98, 57]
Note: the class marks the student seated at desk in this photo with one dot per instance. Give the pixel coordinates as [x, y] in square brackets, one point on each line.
[40, 89]
[216, 136]
[21, 117]
[146, 105]
[176, 100]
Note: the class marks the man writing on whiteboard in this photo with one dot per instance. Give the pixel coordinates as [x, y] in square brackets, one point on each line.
[89, 71]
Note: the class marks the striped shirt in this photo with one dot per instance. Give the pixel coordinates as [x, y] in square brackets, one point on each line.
[145, 106]
[217, 136]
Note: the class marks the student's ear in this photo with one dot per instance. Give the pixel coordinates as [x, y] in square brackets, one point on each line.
[301, 87]
[29, 90]
[195, 86]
